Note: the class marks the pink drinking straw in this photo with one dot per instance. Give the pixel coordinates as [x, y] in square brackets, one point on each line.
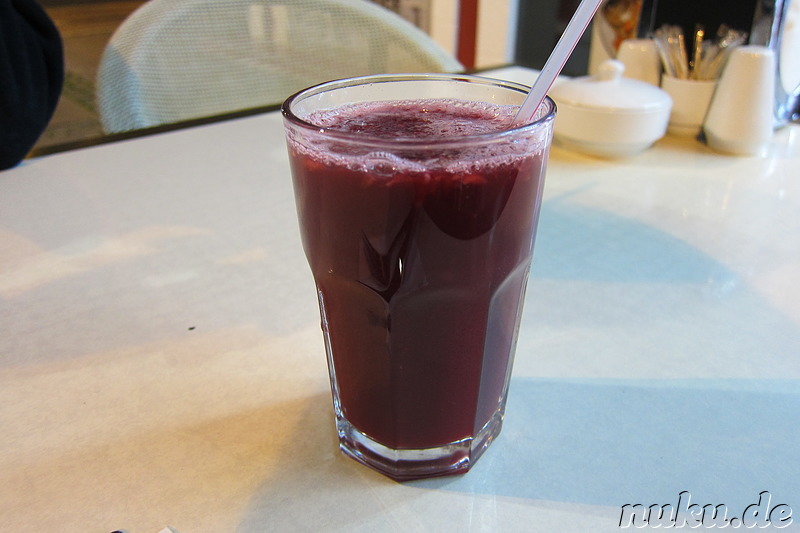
[558, 58]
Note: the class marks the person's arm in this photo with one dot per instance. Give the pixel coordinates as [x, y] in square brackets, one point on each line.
[31, 76]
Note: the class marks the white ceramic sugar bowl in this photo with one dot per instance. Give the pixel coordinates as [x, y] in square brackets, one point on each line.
[609, 116]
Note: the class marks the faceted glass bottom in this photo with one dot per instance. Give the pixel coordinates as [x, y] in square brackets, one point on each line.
[407, 464]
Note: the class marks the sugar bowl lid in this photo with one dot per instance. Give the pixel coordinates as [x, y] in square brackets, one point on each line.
[608, 90]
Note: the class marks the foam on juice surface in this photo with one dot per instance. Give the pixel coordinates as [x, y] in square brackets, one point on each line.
[417, 119]
[424, 135]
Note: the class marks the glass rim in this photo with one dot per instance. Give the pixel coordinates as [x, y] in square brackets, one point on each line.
[368, 139]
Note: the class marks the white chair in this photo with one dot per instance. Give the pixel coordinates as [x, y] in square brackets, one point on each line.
[175, 60]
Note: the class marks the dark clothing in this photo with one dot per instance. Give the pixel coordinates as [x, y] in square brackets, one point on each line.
[31, 76]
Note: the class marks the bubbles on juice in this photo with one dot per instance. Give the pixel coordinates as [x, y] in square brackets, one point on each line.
[388, 164]
[416, 119]
[423, 135]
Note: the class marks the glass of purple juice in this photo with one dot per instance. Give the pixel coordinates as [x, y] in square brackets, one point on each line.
[418, 208]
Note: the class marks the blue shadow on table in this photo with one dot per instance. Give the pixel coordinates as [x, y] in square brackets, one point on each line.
[612, 442]
[580, 242]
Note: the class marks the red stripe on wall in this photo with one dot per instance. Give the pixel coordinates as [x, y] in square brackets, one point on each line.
[467, 32]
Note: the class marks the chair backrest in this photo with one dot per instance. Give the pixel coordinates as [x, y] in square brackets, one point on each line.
[174, 60]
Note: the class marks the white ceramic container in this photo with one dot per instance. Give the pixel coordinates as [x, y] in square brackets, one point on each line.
[609, 116]
[690, 101]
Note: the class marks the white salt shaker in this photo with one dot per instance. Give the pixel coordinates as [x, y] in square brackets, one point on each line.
[740, 119]
[640, 57]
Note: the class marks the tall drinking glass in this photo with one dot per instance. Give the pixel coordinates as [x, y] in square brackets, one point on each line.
[418, 209]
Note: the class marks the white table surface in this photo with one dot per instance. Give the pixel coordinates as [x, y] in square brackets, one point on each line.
[161, 361]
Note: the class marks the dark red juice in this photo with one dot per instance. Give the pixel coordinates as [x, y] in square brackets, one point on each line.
[420, 260]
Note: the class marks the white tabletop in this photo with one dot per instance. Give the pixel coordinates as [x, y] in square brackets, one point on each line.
[161, 361]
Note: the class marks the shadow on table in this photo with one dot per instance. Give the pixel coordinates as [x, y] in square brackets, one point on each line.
[577, 242]
[606, 287]
[611, 442]
[596, 442]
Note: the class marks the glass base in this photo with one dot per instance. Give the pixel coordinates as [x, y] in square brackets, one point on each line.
[407, 464]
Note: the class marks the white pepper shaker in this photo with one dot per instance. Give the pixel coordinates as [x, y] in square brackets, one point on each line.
[740, 119]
